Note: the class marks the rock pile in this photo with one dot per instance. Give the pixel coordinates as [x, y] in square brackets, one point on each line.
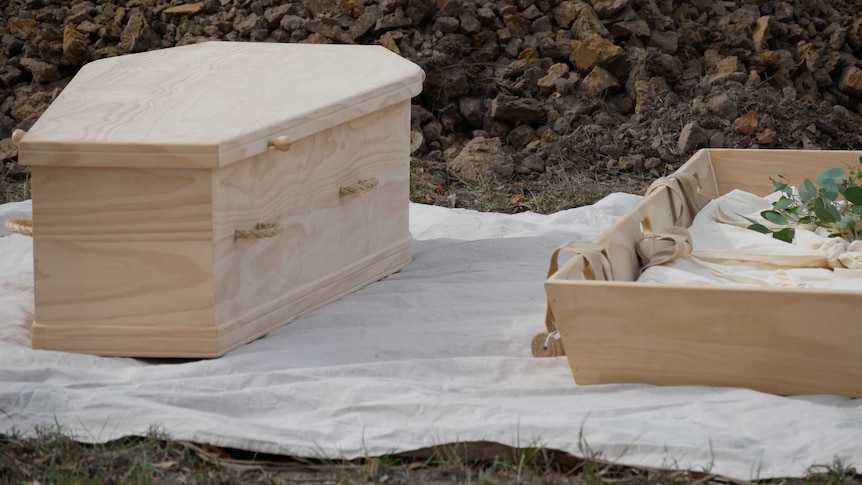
[514, 88]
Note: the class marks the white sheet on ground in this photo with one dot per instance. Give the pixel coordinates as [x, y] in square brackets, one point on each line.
[437, 353]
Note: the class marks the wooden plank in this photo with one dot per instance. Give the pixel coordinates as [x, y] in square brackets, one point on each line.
[224, 103]
[777, 341]
[750, 170]
[136, 341]
[86, 204]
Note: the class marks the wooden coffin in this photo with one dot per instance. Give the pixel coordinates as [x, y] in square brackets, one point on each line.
[782, 341]
[191, 199]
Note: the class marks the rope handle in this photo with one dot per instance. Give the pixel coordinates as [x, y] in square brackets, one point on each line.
[596, 267]
[261, 230]
[361, 186]
[20, 226]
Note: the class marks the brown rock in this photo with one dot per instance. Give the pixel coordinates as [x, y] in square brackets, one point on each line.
[628, 28]
[363, 23]
[599, 81]
[354, 8]
[608, 8]
[521, 136]
[746, 124]
[769, 60]
[24, 29]
[513, 108]
[542, 25]
[28, 109]
[41, 71]
[653, 163]
[388, 42]
[469, 23]
[762, 31]
[74, 45]
[580, 17]
[854, 33]
[534, 163]
[87, 27]
[531, 55]
[631, 163]
[447, 25]
[850, 81]
[517, 24]
[8, 150]
[691, 138]
[622, 104]
[722, 106]
[482, 159]
[419, 10]
[547, 84]
[729, 64]
[783, 11]
[138, 36]
[595, 51]
[565, 13]
[273, 15]
[186, 9]
[472, 110]
[666, 41]
[558, 50]
[390, 21]
[767, 137]
[11, 75]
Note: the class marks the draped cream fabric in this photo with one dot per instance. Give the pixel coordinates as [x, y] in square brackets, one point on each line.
[725, 252]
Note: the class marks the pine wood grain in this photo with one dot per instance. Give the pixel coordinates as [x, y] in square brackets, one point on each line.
[326, 236]
[211, 104]
[147, 166]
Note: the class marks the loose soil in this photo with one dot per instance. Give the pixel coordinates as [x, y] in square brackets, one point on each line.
[527, 105]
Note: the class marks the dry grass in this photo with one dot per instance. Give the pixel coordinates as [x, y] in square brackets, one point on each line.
[555, 191]
[53, 458]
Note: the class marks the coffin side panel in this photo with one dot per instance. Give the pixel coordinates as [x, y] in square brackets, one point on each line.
[331, 242]
[770, 341]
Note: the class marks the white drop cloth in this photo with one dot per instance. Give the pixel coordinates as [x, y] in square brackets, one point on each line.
[437, 353]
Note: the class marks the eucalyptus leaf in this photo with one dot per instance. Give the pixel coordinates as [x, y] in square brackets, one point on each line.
[830, 190]
[825, 215]
[774, 217]
[782, 203]
[831, 175]
[785, 234]
[853, 195]
[807, 191]
[759, 228]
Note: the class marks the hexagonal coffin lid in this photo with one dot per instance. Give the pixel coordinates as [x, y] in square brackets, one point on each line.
[208, 105]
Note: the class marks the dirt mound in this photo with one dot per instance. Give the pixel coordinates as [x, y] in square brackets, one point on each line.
[527, 104]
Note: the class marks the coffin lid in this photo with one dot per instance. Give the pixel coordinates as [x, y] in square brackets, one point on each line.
[211, 104]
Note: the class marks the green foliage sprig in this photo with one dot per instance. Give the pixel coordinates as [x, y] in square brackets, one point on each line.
[832, 201]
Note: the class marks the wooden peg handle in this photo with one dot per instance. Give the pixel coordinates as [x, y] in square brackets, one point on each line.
[17, 135]
[281, 144]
